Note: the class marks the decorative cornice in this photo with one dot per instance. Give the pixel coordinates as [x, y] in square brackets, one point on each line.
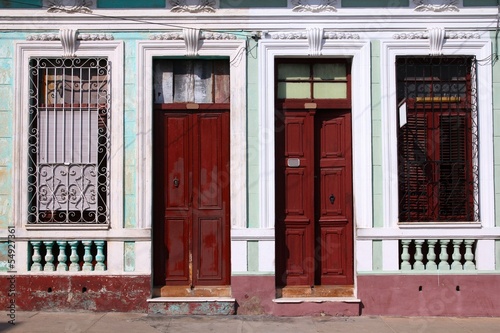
[80, 6]
[304, 35]
[52, 37]
[448, 35]
[315, 39]
[447, 6]
[180, 6]
[304, 6]
[179, 35]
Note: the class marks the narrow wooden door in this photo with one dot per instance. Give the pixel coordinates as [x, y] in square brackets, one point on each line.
[314, 198]
[191, 230]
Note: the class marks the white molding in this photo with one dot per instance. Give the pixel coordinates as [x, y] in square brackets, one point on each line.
[255, 19]
[304, 6]
[359, 51]
[203, 6]
[239, 256]
[485, 255]
[442, 6]
[124, 234]
[113, 50]
[436, 233]
[481, 48]
[267, 250]
[364, 255]
[256, 234]
[76, 6]
[235, 51]
[390, 255]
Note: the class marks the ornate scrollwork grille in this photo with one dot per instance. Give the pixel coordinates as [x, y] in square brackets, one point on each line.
[69, 140]
[437, 139]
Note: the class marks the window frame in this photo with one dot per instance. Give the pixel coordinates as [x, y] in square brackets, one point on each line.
[113, 51]
[479, 48]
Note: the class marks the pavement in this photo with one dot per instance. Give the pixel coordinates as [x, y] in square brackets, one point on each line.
[79, 322]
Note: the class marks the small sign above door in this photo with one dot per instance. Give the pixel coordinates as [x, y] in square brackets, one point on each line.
[293, 162]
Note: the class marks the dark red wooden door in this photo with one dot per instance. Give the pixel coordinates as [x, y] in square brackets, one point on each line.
[314, 198]
[191, 170]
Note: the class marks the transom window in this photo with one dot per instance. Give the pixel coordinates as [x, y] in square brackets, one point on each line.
[322, 79]
[437, 139]
[69, 140]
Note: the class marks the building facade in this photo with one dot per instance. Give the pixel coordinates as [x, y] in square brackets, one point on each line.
[275, 157]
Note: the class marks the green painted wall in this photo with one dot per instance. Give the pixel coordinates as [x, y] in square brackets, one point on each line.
[6, 126]
[253, 135]
[21, 4]
[378, 218]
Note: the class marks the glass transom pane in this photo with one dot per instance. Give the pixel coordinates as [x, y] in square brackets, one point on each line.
[330, 90]
[329, 72]
[294, 90]
[293, 72]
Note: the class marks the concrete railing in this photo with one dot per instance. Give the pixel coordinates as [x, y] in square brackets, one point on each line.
[63, 256]
[437, 255]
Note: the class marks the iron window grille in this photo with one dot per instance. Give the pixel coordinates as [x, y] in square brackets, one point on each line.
[69, 141]
[437, 138]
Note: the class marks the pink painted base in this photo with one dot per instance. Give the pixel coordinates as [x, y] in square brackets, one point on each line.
[254, 296]
[430, 295]
[69, 293]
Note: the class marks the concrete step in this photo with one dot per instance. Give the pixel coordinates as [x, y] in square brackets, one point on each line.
[210, 306]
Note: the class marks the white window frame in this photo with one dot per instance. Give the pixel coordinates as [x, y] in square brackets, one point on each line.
[481, 49]
[113, 50]
[235, 51]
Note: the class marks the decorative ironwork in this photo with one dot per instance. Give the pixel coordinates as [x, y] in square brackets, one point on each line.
[437, 139]
[69, 141]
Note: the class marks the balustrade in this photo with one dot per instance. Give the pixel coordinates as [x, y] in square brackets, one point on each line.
[63, 256]
[437, 255]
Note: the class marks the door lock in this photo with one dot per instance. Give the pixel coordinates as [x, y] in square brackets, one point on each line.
[176, 182]
[332, 199]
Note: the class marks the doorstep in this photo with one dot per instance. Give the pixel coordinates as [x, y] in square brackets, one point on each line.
[192, 306]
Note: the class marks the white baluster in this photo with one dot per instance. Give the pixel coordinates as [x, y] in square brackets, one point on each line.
[418, 265]
[456, 265]
[469, 256]
[443, 255]
[431, 255]
[405, 256]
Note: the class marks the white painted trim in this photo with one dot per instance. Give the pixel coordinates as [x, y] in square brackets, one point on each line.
[235, 50]
[364, 255]
[239, 253]
[113, 50]
[390, 255]
[481, 48]
[485, 255]
[252, 234]
[346, 19]
[266, 256]
[359, 51]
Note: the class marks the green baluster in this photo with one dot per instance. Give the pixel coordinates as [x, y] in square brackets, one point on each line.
[62, 257]
[36, 257]
[74, 266]
[49, 257]
[87, 257]
[418, 265]
[456, 265]
[100, 266]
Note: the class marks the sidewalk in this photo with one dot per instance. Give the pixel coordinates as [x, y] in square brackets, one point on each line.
[79, 322]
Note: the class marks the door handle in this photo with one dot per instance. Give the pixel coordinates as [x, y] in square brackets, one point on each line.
[332, 199]
[176, 182]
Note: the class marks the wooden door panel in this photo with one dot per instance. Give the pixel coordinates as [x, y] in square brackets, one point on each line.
[333, 266]
[294, 136]
[210, 258]
[332, 188]
[176, 237]
[299, 263]
[176, 156]
[209, 162]
[294, 191]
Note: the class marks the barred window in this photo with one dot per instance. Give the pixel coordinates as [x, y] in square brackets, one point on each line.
[437, 139]
[69, 141]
